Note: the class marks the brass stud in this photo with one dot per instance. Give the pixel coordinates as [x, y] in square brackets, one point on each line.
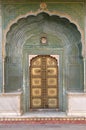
[42, 119]
[27, 119]
[1, 119]
[68, 119]
[34, 119]
[49, 118]
[79, 119]
[38, 119]
[31, 119]
[64, 119]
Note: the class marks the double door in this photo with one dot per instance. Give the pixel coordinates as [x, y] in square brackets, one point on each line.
[43, 82]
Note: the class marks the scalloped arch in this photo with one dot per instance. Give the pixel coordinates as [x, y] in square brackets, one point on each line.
[23, 39]
[31, 27]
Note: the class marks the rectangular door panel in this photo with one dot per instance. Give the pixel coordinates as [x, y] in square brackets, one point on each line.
[36, 82]
[52, 103]
[51, 92]
[51, 81]
[36, 103]
[36, 92]
[36, 71]
[51, 71]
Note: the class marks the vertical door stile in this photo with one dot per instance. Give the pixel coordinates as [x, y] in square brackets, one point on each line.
[44, 81]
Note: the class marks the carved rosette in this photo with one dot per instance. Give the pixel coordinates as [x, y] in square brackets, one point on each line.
[43, 6]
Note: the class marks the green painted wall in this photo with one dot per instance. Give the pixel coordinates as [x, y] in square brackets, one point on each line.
[64, 40]
[23, 39]
[13, 9]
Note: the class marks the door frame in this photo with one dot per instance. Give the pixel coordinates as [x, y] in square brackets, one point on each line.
[43, 59]
[27, 51]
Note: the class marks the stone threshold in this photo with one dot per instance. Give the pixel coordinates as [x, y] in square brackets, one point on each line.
[43, 117]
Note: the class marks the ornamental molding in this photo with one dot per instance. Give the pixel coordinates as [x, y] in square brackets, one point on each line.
[43, 6]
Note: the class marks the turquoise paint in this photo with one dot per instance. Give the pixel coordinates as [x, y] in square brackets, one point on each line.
[64, 40]
[13, 10]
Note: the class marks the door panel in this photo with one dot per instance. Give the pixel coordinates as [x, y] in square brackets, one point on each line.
[51, 81]
[43, 82]
[36, 103]
[52, 103]
[51, 71]
[52, 92]
[36, 71]
[36, 82]
[36, 92]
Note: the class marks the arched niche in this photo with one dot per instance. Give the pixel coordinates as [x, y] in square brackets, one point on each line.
[63, 39]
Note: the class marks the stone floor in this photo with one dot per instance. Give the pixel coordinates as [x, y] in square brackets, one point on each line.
[40, 113]
[41, 117]
[43, 127]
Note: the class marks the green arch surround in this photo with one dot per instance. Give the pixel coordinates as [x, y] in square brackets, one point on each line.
[64, 32]
[64, 39]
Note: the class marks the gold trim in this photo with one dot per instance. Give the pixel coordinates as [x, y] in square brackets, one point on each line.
[47, 118]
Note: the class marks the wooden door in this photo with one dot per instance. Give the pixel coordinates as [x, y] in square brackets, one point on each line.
[43, 82]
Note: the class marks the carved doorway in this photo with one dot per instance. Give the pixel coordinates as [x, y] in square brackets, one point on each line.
[43, 82]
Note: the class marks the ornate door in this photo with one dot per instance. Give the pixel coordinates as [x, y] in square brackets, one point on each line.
[43, 82]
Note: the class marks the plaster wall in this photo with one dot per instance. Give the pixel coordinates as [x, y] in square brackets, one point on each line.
[76, 104]
[12, 104]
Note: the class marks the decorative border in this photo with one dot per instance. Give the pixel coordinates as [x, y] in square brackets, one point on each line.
[50, 120]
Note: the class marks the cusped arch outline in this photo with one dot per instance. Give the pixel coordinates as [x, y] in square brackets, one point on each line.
[29, 28]
[19, 31]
